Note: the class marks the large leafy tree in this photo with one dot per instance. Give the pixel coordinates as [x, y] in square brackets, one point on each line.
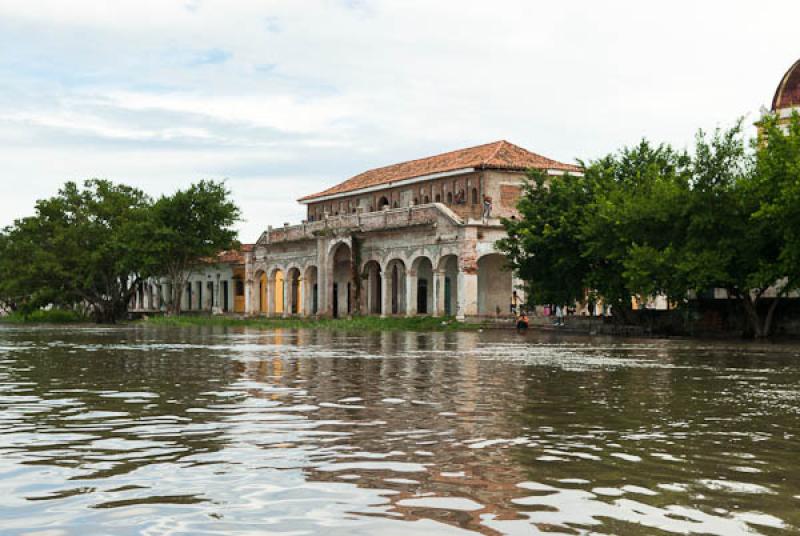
[88, 245]
[777, 190]
[650, 221]
[631, 223]
[544, 245]
[725, 245]
[192, 224]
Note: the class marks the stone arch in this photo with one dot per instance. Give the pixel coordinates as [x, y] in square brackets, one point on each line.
[449, 198]
[311, 290]
[342, 290]
[494, 285]
[426, 200]
[474, 196]
[448, 291]
[422, 286]
[438, 198]
[294, 301]
[383, 203]
[373, 283]
[394, 278]
[275, 291]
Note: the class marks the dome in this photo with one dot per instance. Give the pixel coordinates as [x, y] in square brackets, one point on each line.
[788, 93]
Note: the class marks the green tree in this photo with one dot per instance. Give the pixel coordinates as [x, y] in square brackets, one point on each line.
[725, 245]
[649, 221]
[86, 246]
[777, 189]
[192, 224]
[632, 222]
[544, 245]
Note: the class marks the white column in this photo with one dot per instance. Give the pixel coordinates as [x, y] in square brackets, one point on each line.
[386, 307]
[437, 301]
[269, 296]
[287, 294]
[248, 299]
[467, 295]
[411, 292]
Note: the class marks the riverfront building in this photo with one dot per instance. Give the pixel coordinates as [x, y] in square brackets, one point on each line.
[405, 239]
[215, 285]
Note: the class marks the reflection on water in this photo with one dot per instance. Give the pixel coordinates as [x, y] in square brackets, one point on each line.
[212, 431]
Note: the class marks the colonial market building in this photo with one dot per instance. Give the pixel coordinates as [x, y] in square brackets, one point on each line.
[405, 239]
[215, 285]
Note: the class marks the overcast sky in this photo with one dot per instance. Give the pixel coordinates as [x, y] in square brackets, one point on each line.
[285, 98]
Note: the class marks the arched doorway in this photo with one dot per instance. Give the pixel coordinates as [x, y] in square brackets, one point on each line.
[374, 287]
[276, 292]
[310, 291]
[395, 287]
[494, 285]
[342, 291]
[423, 291]
[383, 203]
[294, 290]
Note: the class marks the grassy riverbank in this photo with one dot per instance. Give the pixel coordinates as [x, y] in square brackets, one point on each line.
[358, 323]
[53, 316]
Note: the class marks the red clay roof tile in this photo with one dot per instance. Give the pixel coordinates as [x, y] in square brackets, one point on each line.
[496, 155]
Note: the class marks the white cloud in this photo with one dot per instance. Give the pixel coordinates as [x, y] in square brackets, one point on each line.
[285, 98]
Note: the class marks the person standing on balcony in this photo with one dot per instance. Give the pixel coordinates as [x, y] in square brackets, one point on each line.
[487, 208]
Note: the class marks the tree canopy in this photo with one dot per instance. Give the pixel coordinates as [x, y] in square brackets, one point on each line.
[192, 224]
[652, 221]
[90, 245]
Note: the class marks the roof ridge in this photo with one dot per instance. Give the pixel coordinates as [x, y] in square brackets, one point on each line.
[463, 149]
[500, 144]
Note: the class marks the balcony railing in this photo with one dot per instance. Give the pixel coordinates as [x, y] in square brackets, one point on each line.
[364, 222]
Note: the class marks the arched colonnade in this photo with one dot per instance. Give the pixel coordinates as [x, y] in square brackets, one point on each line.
[395, 285]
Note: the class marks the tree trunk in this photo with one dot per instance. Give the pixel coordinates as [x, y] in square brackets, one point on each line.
[751, 310]
[770, 316]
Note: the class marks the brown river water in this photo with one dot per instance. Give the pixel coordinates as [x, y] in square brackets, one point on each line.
[162, 431]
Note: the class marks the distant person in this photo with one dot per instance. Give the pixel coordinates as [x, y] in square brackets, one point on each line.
[487, 207]
[559, 315]
[514, 302]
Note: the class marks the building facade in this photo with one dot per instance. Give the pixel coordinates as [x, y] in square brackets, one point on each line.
[214, 285]
[415, 238]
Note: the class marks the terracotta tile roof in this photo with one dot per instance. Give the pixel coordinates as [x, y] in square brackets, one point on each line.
[496, 155]
[788, 93]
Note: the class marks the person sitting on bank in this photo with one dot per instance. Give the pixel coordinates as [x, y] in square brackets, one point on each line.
[522, 321]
